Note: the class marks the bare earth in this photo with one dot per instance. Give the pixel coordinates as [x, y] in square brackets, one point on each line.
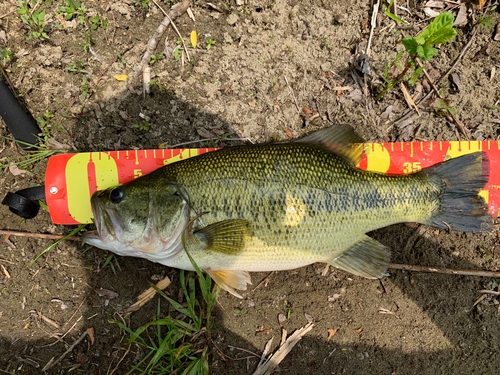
[270, 60]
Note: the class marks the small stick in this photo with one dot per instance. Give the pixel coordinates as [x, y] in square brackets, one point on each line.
[175, 11]
[293, 95]
[206, 140]
[51, 363]
[37, 235]
[448, 271]
[175, 28]
[373, 24]
[263, 281]
[3, 16]
[244, 350]
[120, 361]
[455, 118]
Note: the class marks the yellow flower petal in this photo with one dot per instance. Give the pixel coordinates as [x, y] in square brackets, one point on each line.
[121, 77]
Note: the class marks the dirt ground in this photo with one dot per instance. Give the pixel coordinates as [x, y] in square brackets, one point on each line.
[270, 60]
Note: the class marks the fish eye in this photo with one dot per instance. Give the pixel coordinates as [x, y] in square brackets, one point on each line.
[116, 195]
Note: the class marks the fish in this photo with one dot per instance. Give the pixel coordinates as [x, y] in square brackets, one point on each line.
[281, 206]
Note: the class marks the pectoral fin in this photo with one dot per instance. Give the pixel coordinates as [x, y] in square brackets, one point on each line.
[231, 279]
[226, 237]
[367, 258]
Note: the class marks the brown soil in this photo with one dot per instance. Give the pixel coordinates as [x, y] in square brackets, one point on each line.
[406, 323]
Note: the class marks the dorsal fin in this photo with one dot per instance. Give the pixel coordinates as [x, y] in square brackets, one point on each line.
[338, 139]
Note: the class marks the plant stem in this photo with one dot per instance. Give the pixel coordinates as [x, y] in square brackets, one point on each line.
[396, 80]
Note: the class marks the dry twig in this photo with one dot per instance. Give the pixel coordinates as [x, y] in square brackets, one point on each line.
[272, 362]
[52, 363]
[448, 271]
[175, 12]
[37, 235]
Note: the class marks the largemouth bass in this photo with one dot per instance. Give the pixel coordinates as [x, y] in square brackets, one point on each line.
[282, 206]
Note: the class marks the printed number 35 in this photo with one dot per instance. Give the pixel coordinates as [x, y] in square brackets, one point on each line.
[412, 167]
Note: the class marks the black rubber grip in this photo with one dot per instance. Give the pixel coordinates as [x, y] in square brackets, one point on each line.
[24, 202]
[20, 124]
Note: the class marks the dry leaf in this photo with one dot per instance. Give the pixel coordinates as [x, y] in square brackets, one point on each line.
[288, 133]
[15, 170]
[106, 293]
[121, 77]
[331, 333]
[359, 330]
[281, 318]
[481, 3]
[204, 133]
[90, 332]
[194, 38]
[309, 318]
[307, 111]
[461, 18]
[431, 13]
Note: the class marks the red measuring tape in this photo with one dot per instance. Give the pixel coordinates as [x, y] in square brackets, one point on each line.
[71, 179]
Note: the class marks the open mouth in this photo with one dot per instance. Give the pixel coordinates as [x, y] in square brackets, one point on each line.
[102, 232]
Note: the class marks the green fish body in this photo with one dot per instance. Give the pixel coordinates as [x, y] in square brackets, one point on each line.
[284, 206]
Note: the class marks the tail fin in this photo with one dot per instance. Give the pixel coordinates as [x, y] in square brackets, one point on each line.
[461, 179]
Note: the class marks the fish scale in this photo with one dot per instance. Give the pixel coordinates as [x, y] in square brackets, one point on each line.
[253, 183]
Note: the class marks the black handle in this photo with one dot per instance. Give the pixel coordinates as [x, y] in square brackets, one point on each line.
[20, 124]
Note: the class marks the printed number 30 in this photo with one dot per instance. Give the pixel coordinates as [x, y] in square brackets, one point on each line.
[411, 167]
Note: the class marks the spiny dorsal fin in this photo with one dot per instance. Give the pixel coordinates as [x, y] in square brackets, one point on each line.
[338, 139]
[231, 279]
[224, 236]
[368, 258]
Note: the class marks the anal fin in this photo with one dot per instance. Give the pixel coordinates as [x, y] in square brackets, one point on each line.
[367, 258]
[231, 279]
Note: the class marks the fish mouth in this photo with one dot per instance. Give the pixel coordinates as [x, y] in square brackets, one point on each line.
[107, 228]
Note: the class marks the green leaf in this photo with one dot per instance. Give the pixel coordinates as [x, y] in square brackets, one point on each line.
[410, 44]
[426, 53]
[439, 31]
[22, 11]
[394, 17]
[41, 16]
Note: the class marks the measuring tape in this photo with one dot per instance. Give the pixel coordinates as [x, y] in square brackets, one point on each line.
[71, 179]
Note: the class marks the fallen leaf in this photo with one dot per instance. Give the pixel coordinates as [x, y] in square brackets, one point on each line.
[331, 333]
[481, 3]
[359, 330]
[204, 133]
[15, 170]
[461, 18]
[307, 111]
[288, 133]
[194, 38]
[121, 77]
[90, 332]
[334, 297]
[106, 293]
[309, 318]
[435, 4]
[431, 13]
[281, 318]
